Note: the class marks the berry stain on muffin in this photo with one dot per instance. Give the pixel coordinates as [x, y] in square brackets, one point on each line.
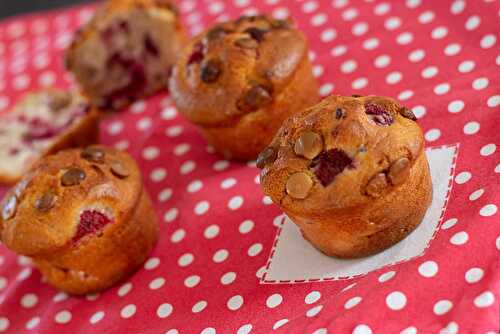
[378, 115]
[91, 222]
[329, 164]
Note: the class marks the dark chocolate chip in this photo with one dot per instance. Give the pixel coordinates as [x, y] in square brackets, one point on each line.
[45, 202]
[255, 98]
[118, 169]
[93, 154]
[407, 113]
[72, 177]
[378, 115]
[150, 46]
[329, 164]
[256, 33]
[210, 70]
[246, 43]
[356, 95]
[267, 156]
[280, 24]
[9, 208]
[340, 113]
[216, 33]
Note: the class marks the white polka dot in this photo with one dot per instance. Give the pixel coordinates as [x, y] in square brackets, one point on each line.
[393, 78]
[32, 323]
[221, 165]
[471, 128]
[228, 278]
[144, 123]
[497, 242]
[339, 3]
[419, 111]
[350, 286]
[480, 83]
[405, 95]
[220, 256]
[362, 329]
[348, 66]
[182, 149]
[497, 168]
[409, 330]
[359, 28]
[392, 23]
[382, 61]
[371, 43]
[281, 13]
[456, 106]
[169, 113]
[152, 263]
[187, 167]
[451, 328]
[386, 276]
[350, 14]
[459, 238]
[170, 215]
[211, 231]
[255, 249]
[274, 300]
[326, 89]
[352, 302]
[442, 307]
[474, 275]
[314, 311]
[439, 32]
[150, 153]
[396, 300]
[404, 38]
[280, 323]
[488, 41]
[228, 183]
[235, 202]
[208, 330]
[317, 71]
[122, 145]
[426, 17]
[457, 7]
[382, 8]
[164, 310]
[201, 208]
[174, 131]
[185, 260]
[432, 135]
[165, 195]
[429, 72]
[485, 299]
[59, 297]
[452, 49]
[199, 306]
[359, 83]
[476, 194]
[235, 302]
[267, 200]
[309, 7]
[124, 289]
[3, 282]
[192, 281]
[29, 300]
[194, 186]
[246, 226]
[115, 128]
[488, 210]
[96, 317]
[4, 324]
[339, 50]
[493, 101]
[463, 177]
[428, 269]
[312, 297]
[466, 66]
[449, 223]
[472, 22]
[178, 235]
[158, 174]
[63, 317]
[488, 149]
[24, 274]
[328, 35]
[245, 329]
[442, 88]
[157, 283]
[319, 19]
[416, 55]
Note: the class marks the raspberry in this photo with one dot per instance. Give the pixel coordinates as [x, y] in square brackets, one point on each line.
[91, 221]
[329, 164]
[378, 115]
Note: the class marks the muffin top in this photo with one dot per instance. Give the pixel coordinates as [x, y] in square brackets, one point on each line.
[68, 197]
[235, 68]
[341, 153]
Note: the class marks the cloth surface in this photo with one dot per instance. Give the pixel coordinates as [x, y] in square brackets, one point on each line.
[220, 265]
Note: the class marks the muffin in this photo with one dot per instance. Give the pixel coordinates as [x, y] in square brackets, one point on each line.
[126, 51]
[84, 218]
[41, 123]
[239, 80]
[351, 172]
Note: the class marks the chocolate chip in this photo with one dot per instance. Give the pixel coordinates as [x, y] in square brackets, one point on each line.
[266, 157]
[210, 70]
[407, 113]
[329, 164]
[45, 202]
[340, 113]
[280, 24]
[216, 33]
[72, 177]
[356, 95]
[399, 171]
[376, 185]
[59, 100]
[246, 43]
[255, 98]
[9, 208]
[299, 185]
[118, 169]
[308, 145]
[93, 154]
[256, 33]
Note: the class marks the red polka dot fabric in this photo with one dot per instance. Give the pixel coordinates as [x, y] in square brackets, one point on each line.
[227, 260]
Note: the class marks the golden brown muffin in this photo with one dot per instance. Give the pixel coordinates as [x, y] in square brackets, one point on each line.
[351, 172]
[239, 80]
[83, 216]
[42, 123]
[126, 51]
